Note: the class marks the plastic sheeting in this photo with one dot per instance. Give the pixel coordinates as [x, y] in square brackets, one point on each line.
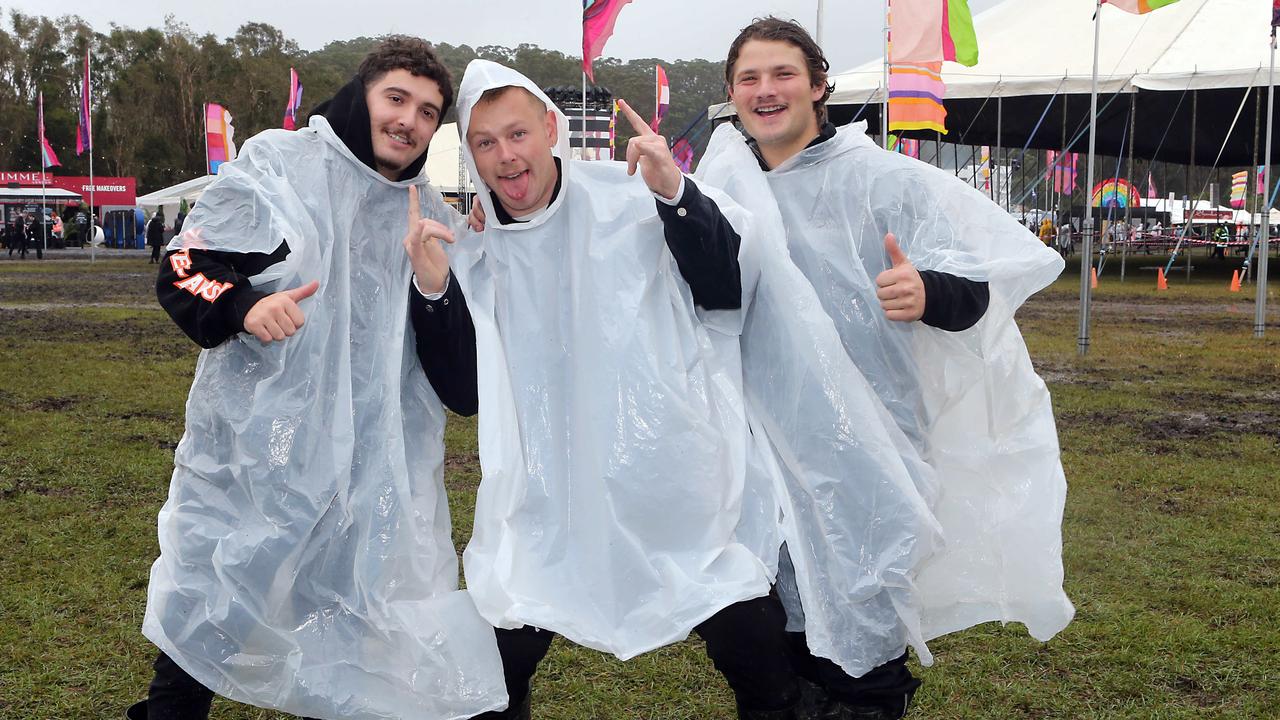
[854, 493]
[612, 438]
[306, 561]
[970, 402]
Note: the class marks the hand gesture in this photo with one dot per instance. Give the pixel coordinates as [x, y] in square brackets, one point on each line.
[900, 289]
[277, 316]
[475, 219]
[426, 254]
[649, 151]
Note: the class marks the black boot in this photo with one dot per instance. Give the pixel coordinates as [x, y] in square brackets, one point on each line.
[136, 711]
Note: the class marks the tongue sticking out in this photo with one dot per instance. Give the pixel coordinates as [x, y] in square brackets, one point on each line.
[515, 188]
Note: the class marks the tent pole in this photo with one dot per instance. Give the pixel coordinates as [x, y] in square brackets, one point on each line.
[1195, 102]
[1128, 208]
[884, 108]
[1058, 171]
[996, 193]
[1251, 202]
[1086, 248]
[1260, 304]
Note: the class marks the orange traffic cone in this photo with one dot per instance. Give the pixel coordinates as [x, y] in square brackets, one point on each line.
[1093, 278]
[1161, 283]
[1235, 281]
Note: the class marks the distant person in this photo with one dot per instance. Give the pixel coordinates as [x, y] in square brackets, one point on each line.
[15, 231]
[155, 235]
[82, 228]
[177, 222]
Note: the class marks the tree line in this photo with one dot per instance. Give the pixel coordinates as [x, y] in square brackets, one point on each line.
[150, 86]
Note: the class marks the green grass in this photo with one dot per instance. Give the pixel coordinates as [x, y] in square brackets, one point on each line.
[1170, 432]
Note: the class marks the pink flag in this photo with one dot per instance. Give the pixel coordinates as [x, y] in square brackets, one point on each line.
[48, 158]
[295, 102]
[219, 136]
[662, 98]
[915, 31]
[84, 128]
[1151, 186]
[683, 154]
[598, 17]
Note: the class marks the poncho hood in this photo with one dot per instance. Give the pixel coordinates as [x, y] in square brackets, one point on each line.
[482, 76]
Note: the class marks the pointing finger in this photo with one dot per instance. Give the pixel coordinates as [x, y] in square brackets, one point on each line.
[414, 210]
[638, 124]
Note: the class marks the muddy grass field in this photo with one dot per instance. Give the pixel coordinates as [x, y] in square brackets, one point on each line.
[1170, 432]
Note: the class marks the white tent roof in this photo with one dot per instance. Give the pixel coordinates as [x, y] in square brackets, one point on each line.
[443, 159]
[1037, 47]
[30, 193]
[189, 190]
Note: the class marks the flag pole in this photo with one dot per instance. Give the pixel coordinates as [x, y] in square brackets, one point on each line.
[884, 110]
[1260, 303]
[88, 109]
[1086, 246]
[582, 134]
[44, 200]
[817, 28]
[204, 122]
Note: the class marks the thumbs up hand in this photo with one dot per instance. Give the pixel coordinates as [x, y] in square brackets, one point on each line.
[900, 289]
[277, 316]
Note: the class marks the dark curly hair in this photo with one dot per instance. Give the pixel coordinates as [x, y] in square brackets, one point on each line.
[402, 52]
[788, 31]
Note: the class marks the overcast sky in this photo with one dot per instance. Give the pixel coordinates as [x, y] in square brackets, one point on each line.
[666, 29]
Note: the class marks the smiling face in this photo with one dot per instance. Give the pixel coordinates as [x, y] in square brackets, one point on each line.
[774, 96]
[511, 136]
[404, 112]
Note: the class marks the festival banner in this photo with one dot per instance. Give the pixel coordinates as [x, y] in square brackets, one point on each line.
[662, 96]
[915, 98]
[598, 18]
[928, 31]
[219, 136]
[1239, 188]
[84, 126]
[1139, 7]
[294, 103]
[48, 158]
[683, 154]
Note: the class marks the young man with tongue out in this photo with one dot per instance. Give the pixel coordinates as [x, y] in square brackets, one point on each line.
[939, 347]
[612, 438]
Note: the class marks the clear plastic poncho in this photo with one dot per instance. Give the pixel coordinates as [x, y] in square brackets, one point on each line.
[854, 493]
[305, 555]
[970, 402]
[612, 438]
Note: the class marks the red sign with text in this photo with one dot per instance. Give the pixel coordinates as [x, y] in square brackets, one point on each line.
[106, 190]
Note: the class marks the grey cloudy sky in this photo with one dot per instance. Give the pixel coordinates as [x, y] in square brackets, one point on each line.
[666, 29]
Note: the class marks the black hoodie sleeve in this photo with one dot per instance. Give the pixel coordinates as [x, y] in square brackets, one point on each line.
[951, 302]
[705, 247]
[445, 338]
[208, 293]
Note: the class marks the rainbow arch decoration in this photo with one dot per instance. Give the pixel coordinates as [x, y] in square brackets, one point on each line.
[1114, 193]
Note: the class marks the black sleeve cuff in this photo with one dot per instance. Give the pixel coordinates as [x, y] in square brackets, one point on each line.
[705, 247]
[953, 303]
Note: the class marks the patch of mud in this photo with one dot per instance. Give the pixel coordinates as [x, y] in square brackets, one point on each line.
[1160, 432]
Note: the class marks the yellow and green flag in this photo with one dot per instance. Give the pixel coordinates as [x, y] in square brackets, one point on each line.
[1139, 7]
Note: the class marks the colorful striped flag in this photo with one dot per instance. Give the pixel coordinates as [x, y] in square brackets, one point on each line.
[1262, 174]
[1139, 7]
[928, 31]
[915, 98]
[295, 102]
[1064, 172]
[84, 127]
[683, 154]
[1275, 16]
[662, 96]
[1239, 188]
[986, 167]
[48, 158]
[219, 136]
[598, 17]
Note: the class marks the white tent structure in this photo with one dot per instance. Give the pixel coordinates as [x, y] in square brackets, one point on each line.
[171, 197]
[1032, 51]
